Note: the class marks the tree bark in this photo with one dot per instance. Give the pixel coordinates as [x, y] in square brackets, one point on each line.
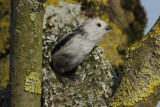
[26, 52]
[92, 91]
[142, 72]
[95, 89]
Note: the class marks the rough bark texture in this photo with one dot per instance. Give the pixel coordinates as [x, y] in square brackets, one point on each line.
[26, 53]
[126, 16]
[93, 87]
[89, 88]
[142, 72]
[93, 75]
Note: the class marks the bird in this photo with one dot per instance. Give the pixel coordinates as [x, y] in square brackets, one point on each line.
[73, 47]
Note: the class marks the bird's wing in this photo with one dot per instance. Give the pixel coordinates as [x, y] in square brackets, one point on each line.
[63, 41]
[67, 37]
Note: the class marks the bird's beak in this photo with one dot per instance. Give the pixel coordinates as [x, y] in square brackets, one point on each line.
[108, 27]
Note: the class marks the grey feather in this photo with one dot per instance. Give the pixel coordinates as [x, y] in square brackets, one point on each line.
[75, 46]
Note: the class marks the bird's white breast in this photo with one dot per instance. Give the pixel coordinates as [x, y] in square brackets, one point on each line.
[78, 47]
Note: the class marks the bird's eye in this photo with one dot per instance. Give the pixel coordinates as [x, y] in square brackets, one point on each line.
[99, 24]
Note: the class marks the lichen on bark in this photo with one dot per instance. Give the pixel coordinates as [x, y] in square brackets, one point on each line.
[25, 53]
[59, 22]
[142, 70]
[90, 85]
[33, 83]
[120, 18]
[113, 11]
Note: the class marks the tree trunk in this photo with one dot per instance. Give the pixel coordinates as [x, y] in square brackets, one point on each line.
[26, 52]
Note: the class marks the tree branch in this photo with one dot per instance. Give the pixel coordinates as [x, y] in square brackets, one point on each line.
[142, 71]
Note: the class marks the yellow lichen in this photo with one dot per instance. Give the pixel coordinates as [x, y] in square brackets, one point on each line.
[156, 31]
[111, 41]
[33, 16]
[131, 92]
[71, 1]
[145, 38]
[56, 2]
[136, 46]
[33, 83]
[45, 5]
[144, 79]
[105, 2]
[153, 34]
[105, 18]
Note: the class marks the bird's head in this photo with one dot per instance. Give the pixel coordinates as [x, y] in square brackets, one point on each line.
[96, 29]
